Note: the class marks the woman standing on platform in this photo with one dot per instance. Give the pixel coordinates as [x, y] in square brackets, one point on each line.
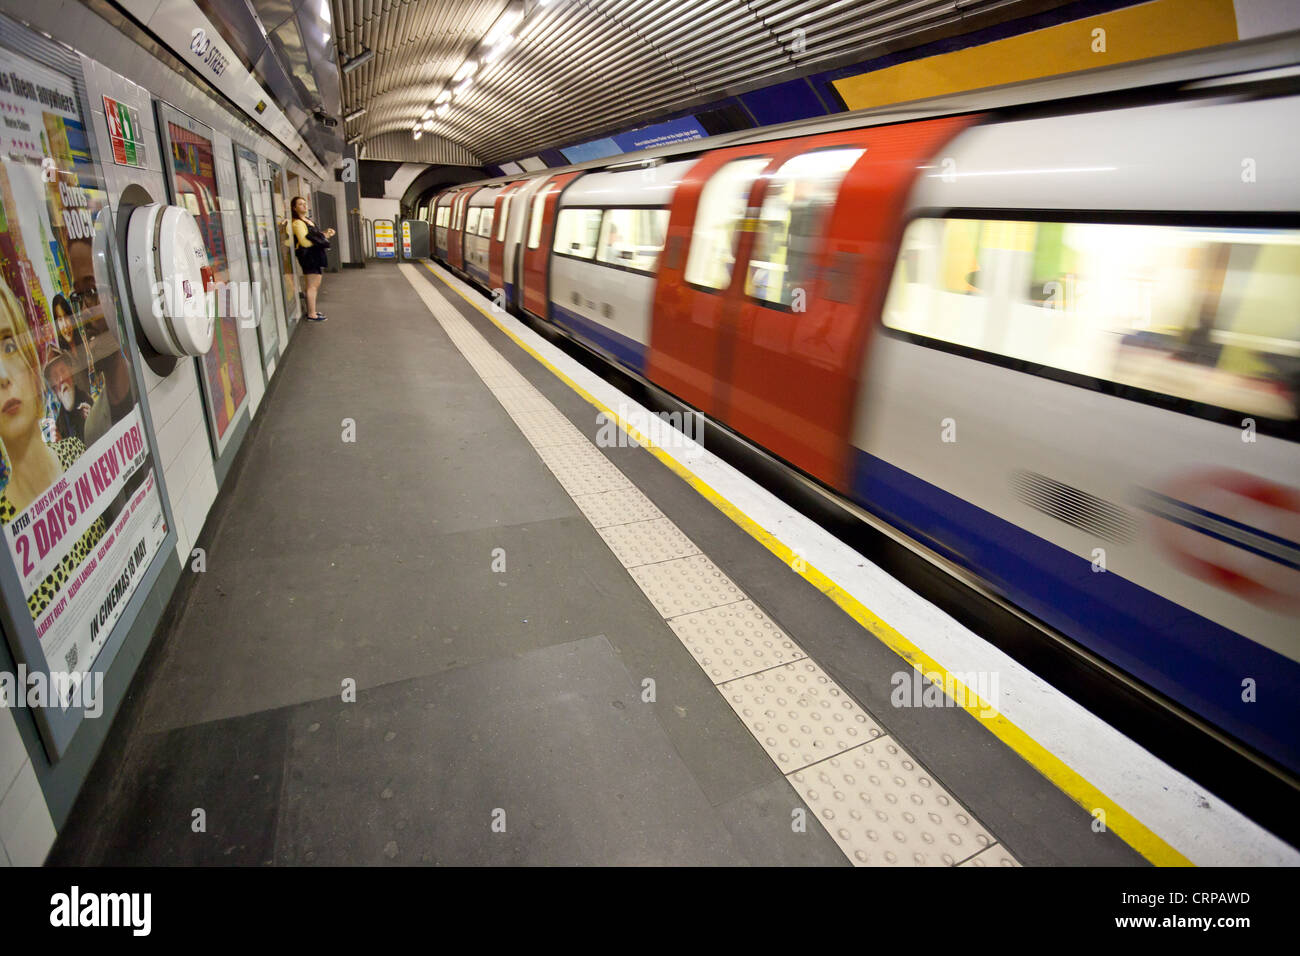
[310, 244]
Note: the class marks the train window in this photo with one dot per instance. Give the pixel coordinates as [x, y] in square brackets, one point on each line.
[440, 218]
[632, 238]
[535, 217]
[576, 231]
[717, 222]
[471, 221]
[1200, 313]
[485, 222]
[795, 207]
[505, 217]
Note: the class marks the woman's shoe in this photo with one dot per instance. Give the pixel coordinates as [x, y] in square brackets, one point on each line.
[318, 317]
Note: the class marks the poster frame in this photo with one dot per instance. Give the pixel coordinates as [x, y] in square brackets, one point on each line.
[165, 113]
[253, 251]
[292, 307]
[55, 727]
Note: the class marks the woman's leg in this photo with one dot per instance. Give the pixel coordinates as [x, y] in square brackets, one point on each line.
[312, 283]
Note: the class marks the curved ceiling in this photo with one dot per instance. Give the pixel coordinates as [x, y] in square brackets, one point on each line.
[577, 68]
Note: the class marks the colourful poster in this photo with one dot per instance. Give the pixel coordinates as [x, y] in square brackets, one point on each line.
[195, 180]
[281, 212]
[79, 502]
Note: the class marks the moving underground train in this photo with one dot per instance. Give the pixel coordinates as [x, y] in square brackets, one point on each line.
[1056, 344]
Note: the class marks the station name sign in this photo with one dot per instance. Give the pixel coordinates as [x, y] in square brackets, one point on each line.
[209, 53]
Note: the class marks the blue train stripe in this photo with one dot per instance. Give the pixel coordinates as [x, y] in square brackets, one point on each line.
[1222, 528]
[476, 272]
[1189, 658]
[628, 351]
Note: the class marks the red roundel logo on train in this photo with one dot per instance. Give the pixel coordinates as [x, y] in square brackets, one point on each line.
[1234, 530]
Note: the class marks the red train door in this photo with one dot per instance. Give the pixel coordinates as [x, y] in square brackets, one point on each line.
[456, 234]
[695, 271]
[809, 283]
[537, 243]
[502, 208]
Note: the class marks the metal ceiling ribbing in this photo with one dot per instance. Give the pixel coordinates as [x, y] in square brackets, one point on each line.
[579, 67]
[417, 45]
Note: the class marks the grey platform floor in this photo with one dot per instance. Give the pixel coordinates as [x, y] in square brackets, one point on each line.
[482, 697]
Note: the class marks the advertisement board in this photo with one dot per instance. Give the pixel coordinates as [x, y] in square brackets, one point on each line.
[280, 209]
[191, 163]
[80, 502]
[259, 235]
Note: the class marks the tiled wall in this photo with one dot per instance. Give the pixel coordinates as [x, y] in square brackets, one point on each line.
[26, 831]
[175, 403]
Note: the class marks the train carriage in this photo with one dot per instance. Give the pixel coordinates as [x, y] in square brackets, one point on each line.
[1055, 346]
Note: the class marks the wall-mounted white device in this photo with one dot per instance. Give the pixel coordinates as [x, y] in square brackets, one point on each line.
[170, 279]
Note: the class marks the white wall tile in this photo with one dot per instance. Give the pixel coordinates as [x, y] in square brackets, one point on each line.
[170, 393]
[184, 540]
[198, 500]
[196, 456]
[26, 829]
[173, 435]
[13, 754]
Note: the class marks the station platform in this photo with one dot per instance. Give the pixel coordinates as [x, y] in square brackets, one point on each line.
[564, 651]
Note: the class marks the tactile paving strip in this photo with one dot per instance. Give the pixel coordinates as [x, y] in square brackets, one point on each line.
[883, 809]
[619, 506]
[735, 640]
[581, 469]
[995, 855]
[799, 714]
[647, 542]
[685, 585]
[872, 797]
[522, 398]
[547, 428]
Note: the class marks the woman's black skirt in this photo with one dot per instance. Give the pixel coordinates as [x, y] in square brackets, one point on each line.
[312, 260]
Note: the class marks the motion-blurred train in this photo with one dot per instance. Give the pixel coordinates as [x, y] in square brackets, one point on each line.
[1052, 338]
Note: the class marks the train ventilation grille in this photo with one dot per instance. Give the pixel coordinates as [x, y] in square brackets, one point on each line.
[1078, 508]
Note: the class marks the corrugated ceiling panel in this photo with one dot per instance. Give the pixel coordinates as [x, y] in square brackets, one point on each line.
[579, 67]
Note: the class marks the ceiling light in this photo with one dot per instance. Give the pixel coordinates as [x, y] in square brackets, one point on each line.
[505, 23]
[353, 115]
[442, 97]
[325, 10]
[495, 53]
[416, 134]
[465, 85]
[442, 110]
[466, 70]
[365, 56]
[428, 124]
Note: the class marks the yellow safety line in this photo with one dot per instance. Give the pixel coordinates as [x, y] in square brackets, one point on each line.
[1131, 830]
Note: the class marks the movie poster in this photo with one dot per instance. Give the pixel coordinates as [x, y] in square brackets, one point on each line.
[195, 178]
[280, 209]
[79, 502]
